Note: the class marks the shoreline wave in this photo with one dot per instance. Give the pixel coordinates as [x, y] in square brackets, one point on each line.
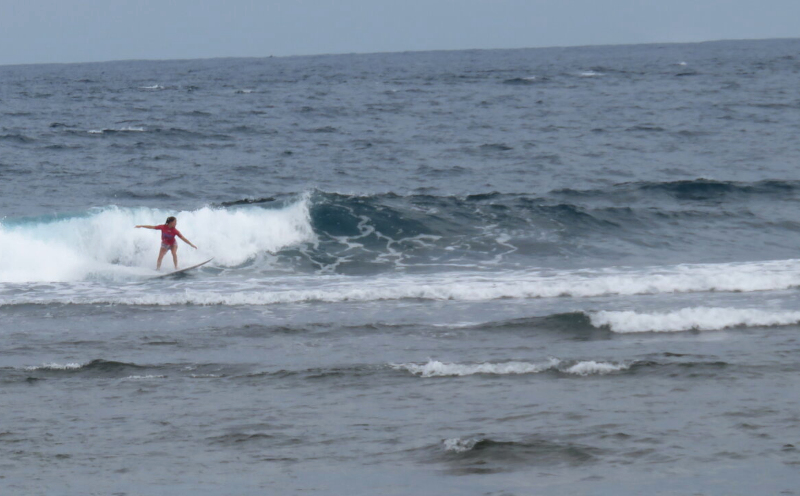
[467, 287]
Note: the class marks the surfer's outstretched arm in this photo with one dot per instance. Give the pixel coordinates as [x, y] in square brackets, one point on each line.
[148, 227]
[187, 241]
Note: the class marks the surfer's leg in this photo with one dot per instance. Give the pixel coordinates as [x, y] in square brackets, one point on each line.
[161, 254]
[175, 255]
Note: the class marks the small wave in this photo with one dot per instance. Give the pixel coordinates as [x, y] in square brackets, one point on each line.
[238, 438]
[646, 128]
[172, 133]
[323, 130]
[495, 147]
[94, 365]
[688, 319]
[522, 81]
[694, 189]
[592, 367]
[459, 445]
[128, 129]
[186, 134]
[247, 201]
[561, 322]
[434, 368]
[16, 138]
[481, 455]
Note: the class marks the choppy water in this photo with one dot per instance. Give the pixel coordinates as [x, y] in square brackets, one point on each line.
[550, 271]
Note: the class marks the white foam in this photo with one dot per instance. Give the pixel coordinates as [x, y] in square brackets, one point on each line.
[435, 368]
[105, 243]
[696, 318]
[459, 445]
[144, 377]
[595, 368]
[588, 74]
[56, 366]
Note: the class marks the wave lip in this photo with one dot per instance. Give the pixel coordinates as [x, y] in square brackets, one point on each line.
[435, 368]
[692, 319]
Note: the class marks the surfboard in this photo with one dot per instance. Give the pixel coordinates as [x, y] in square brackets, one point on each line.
[181, 271]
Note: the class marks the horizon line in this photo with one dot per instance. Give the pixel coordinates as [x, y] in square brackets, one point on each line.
[433, 50]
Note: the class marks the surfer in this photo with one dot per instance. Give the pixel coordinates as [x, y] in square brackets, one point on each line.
[168, 243]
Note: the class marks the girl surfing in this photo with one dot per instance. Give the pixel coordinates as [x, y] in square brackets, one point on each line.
[168, 242]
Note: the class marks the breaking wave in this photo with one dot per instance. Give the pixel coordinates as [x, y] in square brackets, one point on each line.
[103, 243]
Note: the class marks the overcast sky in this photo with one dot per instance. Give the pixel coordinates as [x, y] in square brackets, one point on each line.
[36, 31]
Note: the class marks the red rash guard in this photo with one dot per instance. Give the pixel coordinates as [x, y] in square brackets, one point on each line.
[168, 234]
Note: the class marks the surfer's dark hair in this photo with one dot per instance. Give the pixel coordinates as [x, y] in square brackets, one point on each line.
[170, 219]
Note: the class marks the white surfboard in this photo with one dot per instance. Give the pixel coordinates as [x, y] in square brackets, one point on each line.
[181, 271]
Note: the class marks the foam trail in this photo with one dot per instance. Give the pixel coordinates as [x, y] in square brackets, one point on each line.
[104, 243]
[697, 318]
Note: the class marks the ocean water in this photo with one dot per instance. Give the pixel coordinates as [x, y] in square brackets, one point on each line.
[508, 272]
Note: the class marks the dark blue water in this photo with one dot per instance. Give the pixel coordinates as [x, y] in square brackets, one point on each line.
[546, 271]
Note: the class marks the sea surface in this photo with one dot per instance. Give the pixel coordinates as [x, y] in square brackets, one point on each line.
[562, 271]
